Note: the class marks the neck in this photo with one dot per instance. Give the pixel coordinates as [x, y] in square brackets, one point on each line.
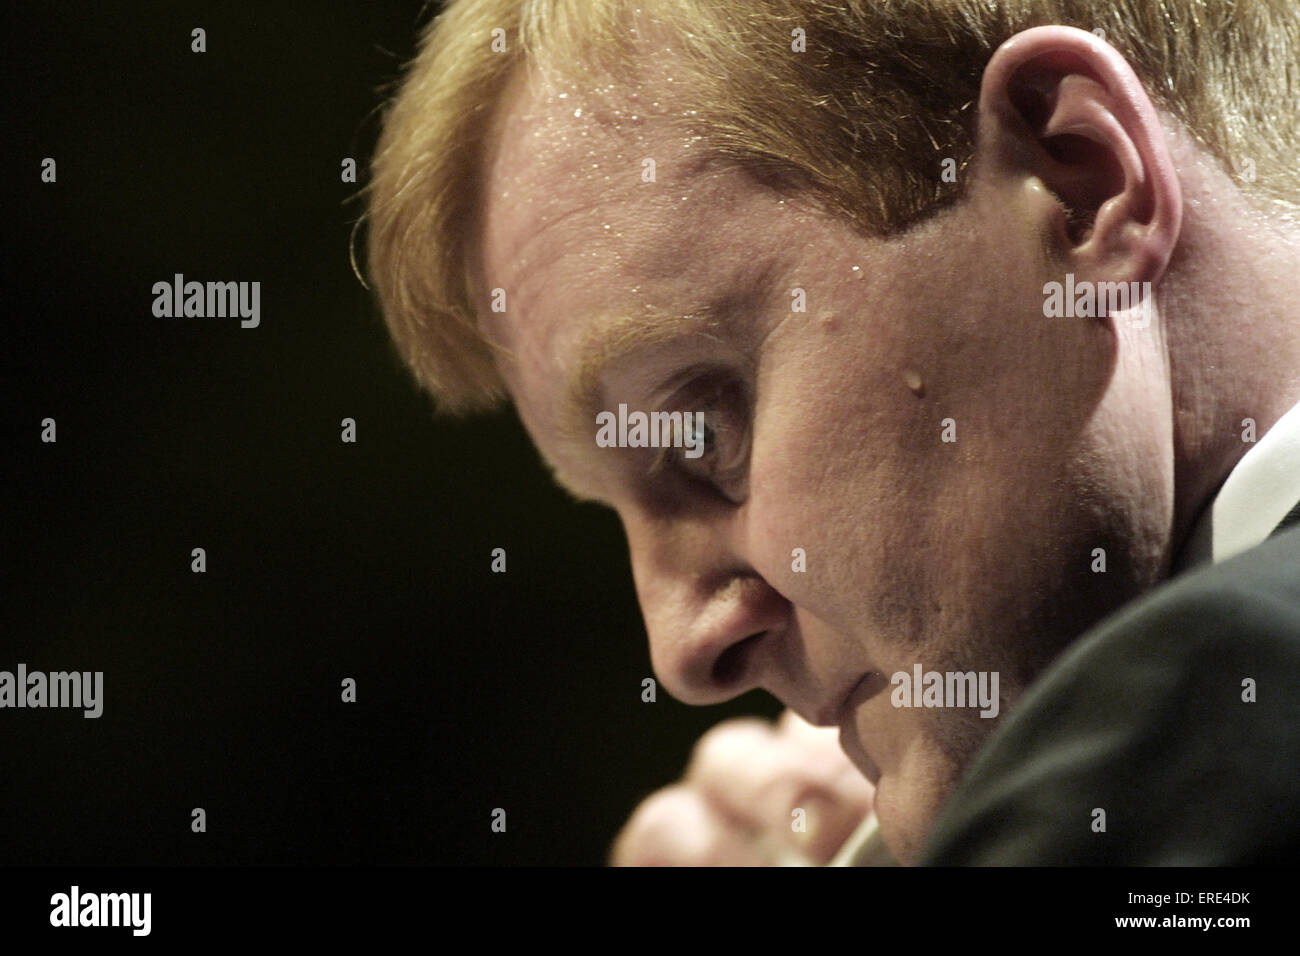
[1233, 342]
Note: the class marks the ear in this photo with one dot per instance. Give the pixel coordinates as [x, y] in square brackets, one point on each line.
[1062, 106]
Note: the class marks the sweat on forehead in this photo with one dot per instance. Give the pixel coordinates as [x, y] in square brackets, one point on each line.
[570, 201]
[597, 136]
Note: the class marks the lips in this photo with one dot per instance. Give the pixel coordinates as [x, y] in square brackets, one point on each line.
[833, 712]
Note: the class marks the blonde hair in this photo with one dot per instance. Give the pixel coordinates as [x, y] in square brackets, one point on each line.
[863, 120]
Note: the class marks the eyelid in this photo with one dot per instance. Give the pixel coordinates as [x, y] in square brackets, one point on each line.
[677, 392]
[720, 390]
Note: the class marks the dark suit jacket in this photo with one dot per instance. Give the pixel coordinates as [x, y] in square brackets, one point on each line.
[1143, 718]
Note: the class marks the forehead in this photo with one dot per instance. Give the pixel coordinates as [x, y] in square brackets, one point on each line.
[601, 213]
[585, 179]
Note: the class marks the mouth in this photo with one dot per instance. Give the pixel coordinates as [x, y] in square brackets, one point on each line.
[836, 711]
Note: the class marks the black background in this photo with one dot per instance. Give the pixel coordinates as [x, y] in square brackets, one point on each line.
[325, 560]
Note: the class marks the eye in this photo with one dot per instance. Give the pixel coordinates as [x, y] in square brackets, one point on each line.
[717, 438]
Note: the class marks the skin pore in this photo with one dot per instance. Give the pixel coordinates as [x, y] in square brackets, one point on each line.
[825, 425]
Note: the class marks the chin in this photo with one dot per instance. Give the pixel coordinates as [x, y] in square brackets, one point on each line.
[908, 804]
[900, 828]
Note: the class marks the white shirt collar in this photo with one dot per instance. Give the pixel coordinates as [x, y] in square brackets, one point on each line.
[1254, 499]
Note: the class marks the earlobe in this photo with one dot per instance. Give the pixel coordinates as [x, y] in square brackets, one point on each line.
[1060, 105]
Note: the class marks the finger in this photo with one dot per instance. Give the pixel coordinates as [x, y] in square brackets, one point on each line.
[822, 821]
[835, 796]
[790, 782]
[825, 756]
[733, 766]
[677, 827]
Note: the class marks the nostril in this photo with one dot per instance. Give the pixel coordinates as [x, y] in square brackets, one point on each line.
[729, 668]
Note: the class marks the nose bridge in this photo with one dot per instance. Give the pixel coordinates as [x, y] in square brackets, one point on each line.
[703, 604]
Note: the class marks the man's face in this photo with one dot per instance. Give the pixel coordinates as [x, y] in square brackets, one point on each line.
[826, 427]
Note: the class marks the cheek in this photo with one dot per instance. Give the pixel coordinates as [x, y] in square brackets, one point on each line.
[815, 522]
[783, 528]
[837, 469]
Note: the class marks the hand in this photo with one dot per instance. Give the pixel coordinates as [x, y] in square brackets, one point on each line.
[736, 804]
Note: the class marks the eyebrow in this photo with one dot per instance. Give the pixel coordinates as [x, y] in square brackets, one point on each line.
[611, 339]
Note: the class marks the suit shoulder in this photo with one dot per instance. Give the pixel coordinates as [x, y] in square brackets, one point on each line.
[1177, 718]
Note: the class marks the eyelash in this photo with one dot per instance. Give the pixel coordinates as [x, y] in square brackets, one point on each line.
[718, 396]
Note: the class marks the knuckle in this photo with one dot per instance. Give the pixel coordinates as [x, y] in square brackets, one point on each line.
[723, 743]
[675, 827]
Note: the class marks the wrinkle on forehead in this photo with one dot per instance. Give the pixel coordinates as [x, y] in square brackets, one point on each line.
[564, 200]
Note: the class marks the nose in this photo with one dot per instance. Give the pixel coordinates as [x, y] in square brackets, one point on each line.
[715, 625]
